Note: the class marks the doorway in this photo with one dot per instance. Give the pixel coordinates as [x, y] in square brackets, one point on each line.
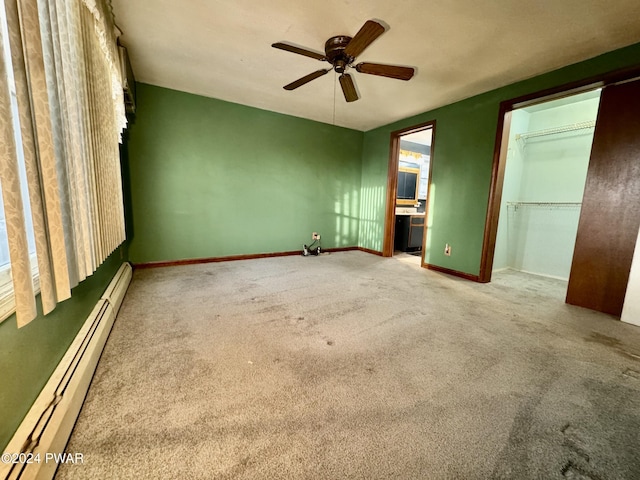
[547, 157]
[610, 209]
[410, 166]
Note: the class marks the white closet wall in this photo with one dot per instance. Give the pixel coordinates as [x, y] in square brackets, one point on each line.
[631, 309]
[510, 188]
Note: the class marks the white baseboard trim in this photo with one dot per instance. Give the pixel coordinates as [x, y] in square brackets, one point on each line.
[555, 277]
[47, 427]
[537, 274]
[499, 270]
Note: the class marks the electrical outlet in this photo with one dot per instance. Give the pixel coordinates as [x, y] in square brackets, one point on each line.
[447, 250]
[315, 236]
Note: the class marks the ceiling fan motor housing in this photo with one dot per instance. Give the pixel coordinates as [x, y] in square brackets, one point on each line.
[334, 51]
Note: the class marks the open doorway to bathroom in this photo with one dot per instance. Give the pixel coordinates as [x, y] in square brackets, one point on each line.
[547, 159]
[408, 192]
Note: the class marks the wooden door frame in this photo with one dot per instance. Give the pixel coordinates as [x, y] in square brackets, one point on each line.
[502, 139]
[392, 185]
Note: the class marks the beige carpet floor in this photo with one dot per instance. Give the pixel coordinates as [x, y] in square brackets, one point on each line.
[354, 366]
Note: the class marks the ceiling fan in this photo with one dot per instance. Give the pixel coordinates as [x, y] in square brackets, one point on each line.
[341, 51]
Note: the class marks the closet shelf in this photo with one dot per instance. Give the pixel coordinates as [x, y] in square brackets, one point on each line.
[556, 130]
[553, 205]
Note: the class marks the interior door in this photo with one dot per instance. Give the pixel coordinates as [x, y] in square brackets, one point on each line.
[610, 215]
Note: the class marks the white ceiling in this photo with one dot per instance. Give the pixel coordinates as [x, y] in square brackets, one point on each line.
[423, 137]
[222, 48]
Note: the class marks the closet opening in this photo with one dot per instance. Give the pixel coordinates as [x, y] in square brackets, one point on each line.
[546, 157]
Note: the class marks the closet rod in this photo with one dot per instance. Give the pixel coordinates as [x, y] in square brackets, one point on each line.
[552, 131]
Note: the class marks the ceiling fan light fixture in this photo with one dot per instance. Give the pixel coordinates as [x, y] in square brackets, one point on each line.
[340, 66]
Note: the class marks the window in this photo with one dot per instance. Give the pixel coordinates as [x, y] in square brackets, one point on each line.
[7, 301]
[61, 116]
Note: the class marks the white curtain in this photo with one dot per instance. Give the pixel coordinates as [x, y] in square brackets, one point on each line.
[70, 109]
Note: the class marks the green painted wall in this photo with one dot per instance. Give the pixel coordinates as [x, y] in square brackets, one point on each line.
[29, 355]
[211, 178]
[462, 159]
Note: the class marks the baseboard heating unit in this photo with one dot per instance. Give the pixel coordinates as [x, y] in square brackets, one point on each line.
[44, 432]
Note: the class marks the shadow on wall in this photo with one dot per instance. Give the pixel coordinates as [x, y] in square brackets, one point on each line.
[428, 221]
[347, 208]
[372, 217]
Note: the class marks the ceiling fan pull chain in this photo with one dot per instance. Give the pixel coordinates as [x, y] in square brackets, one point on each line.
[335, 80]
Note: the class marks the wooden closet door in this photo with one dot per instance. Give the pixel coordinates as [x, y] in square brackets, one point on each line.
[610, 215]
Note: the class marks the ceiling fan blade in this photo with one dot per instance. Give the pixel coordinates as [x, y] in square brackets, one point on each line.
[306, 79]
[299, 50]
[391, 71]
[348, 88]
[365, 36]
